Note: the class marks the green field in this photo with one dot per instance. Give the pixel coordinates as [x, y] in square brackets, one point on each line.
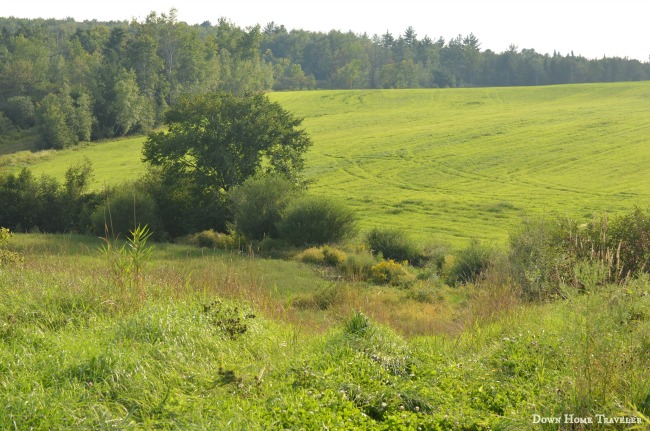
[207, 339]
[212, 340]
[452, 164]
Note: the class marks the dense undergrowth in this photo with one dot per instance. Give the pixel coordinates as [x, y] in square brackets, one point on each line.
[223, 340]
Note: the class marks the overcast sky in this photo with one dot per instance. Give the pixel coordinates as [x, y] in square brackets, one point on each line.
[592, 28]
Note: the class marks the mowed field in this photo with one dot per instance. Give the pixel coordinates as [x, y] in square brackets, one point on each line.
[453, 164]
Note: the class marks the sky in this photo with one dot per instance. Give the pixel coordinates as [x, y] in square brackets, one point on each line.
[591, 28]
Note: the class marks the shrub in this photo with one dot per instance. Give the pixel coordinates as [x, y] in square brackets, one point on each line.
[357, 265]
[7, 256]
[43, 203]
[314, 220]
[625, 242]
[390, 272]
[538, 257]
[394, 244]
[469, 263]
[257, 205]
[125, 209]
[212, 239]
[333, 256]
[311, 255]
[435, 254]
[273, 248]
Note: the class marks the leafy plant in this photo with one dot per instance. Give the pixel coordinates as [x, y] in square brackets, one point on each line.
[8, 256]
[231, 320]
[314, 220]
[390, 272]
[312, 255]
[394, 244]
[124, 209]
[126, 262]
[257, 205]
[469, 263]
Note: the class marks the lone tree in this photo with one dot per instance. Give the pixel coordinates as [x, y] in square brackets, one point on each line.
[215, 142]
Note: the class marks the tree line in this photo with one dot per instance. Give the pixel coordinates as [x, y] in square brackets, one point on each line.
[77, 81]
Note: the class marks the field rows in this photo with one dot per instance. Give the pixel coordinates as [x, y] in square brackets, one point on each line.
[452, 164]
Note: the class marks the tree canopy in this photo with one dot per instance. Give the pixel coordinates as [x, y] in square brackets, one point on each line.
[73, 81]
[216, 141]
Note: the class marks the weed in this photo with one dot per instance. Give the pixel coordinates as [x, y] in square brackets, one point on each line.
[231, 320]
[7, 256]
[126, 262]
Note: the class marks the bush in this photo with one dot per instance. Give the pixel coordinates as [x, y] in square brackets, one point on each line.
[315, 220]
[625, 242]
[312, 255]
[357, 265]
[324, 255]
[333, 256]
[44, 204]
[257, 205]
[212, 239]
[536, 256]
[390, 272]
[394, 244]
[7, 256]
[125, 209]
[469, 263]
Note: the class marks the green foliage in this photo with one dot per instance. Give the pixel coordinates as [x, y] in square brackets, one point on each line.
[63, 333]
[367, 157]
[230, 320]
[546, 255]
[44, 204]
[217, 141]
[622, 242]
[394, 244]
[313, 255]
[333, 256]
[129, 206]
[322, 255]
[21, 111]
[358, 264]
[126, 263]
[322, 298]
[212, 239]
[64, 121]
[258, 203]
[390, 272]
[358, 324]
[537, 258]
[8, 257]
[469, 263]
[314, 220]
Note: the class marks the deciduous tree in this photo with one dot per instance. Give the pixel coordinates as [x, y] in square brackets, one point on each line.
[216, 141]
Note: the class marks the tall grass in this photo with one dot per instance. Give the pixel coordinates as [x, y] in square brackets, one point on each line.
[221, 340]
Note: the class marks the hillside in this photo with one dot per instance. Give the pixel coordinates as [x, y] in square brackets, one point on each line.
[452, 164]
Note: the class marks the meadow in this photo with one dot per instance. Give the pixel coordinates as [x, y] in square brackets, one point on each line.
[222, 340]
[450, 164]
[203, 338]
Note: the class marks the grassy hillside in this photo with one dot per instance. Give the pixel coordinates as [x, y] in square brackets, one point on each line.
[451, 164]
[184, 351]
[470, 162]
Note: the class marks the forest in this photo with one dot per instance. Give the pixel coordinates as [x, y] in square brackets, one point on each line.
[63, 81]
